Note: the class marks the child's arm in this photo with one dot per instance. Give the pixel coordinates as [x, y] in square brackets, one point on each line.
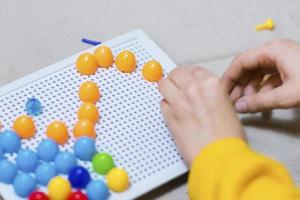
[229, 170]
[202, 119]
[200, 115]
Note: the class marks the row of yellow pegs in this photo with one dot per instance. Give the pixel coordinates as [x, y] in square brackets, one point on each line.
[87, 63]
[88, 113]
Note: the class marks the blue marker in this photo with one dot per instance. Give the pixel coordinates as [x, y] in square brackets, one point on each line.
[91, 42]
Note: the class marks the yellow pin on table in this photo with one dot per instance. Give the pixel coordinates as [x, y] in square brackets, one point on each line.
[267, 25]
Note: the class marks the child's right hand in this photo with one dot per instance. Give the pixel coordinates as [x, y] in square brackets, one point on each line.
[266, 77]
[197, 110]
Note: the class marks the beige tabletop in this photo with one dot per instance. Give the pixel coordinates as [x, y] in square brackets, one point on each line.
[38, 33]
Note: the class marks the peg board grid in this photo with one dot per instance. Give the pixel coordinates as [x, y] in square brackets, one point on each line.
[131, 127]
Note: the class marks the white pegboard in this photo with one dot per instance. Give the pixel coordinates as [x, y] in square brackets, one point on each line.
[131, 127]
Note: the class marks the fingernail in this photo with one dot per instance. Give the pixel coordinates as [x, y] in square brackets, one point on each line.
[241, 106]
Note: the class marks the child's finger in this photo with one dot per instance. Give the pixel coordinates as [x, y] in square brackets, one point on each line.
[253, 84]
[238, 89]
[236, 93]
[169, 116]
[262, 101]
[168, 90]
[272, 82]
[181, 77]
[166, 110]
[199, 72]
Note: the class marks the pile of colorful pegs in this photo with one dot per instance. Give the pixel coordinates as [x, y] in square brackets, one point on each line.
[48, 166]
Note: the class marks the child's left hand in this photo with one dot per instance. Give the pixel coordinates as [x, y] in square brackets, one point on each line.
[197, 110]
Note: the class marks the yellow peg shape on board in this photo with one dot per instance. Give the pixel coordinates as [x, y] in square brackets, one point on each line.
[267, 25]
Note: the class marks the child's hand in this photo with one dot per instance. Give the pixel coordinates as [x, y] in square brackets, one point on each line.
[197, 110]
[266, 77]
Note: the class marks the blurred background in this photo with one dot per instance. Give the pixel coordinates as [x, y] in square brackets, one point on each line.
[35, 34]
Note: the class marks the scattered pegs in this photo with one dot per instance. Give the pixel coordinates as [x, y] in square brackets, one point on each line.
[268, 25]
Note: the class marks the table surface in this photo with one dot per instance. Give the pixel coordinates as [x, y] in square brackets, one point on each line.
[35, 34]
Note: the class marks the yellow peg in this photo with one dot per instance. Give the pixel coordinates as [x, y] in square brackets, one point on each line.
[268, 25]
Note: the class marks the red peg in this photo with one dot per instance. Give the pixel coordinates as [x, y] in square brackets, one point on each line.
[37, 195]
[78, 195]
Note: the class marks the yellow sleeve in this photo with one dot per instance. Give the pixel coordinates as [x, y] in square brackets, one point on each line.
[229, 170]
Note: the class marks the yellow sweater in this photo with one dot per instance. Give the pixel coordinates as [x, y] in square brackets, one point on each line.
[229, 170]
